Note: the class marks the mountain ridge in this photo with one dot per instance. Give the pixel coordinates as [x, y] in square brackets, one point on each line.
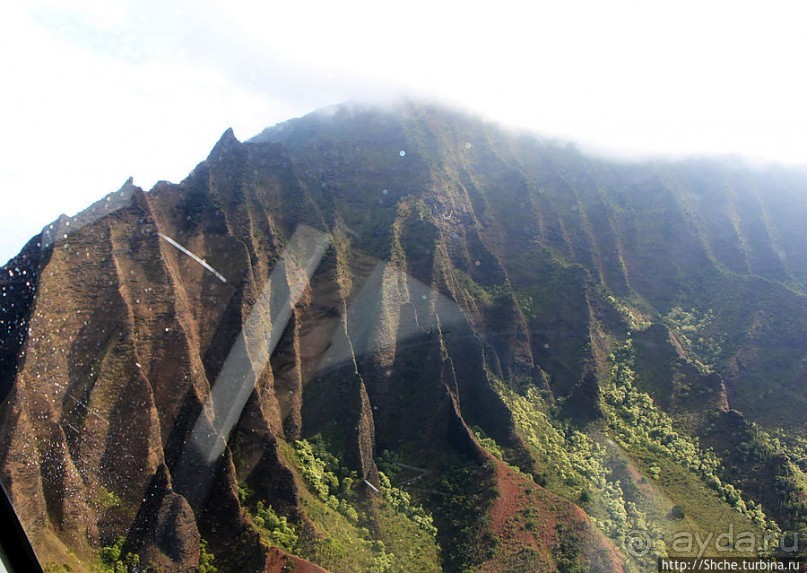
[498, 290]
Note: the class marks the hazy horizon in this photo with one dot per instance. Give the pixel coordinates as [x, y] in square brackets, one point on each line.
[98, 91]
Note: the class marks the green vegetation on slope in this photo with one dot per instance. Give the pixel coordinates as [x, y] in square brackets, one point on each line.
[576, 466]
[346, 530]
[636, 423]
[637, 473]
[462, 501]
[704, 348]
[113, 560]
[274, 529]
[769, 468]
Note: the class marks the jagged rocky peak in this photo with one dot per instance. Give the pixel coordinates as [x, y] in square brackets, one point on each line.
[226, 140]
[400, 338]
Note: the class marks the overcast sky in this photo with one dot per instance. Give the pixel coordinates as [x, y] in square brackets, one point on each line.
[93, 91]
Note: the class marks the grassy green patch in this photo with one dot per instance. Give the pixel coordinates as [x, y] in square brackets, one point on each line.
[462, 501]
[108, 499]
[637, 424]
[348, 532]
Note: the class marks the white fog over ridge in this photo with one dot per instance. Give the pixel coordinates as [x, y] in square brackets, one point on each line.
[98, 91]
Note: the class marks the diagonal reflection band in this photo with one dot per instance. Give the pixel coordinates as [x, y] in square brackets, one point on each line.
[248, 357]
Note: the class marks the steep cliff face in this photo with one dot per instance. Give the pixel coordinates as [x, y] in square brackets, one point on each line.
[402, 300]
